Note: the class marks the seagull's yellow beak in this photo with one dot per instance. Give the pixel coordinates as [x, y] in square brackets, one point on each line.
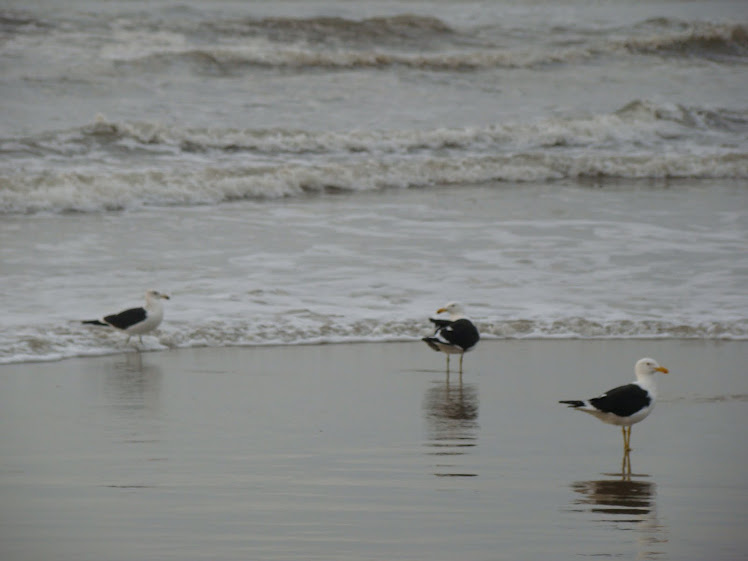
[165, 297]
[662, 369]
[440, 310]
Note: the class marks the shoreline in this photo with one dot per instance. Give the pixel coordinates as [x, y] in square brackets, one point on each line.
[484, 339]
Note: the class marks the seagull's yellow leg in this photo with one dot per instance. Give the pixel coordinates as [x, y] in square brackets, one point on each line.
[447, 362]
[461, 355]
[626, 439]
[626, 466]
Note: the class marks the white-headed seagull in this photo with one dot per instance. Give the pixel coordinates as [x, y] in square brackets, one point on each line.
[626, 405]
[137, 321]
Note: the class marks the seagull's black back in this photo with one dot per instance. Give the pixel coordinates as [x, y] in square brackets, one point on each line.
[126, 319]
[623, 400]
[461, 333]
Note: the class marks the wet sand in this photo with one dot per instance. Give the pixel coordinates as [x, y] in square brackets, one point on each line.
[347, 452]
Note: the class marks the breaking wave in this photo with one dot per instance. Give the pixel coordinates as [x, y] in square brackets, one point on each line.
[94, 192]
[225, 47]
[115, 166]
[233, 60]
[697, 40]
[411, 42]
[327, 29]
[639, 122]
[689, 117]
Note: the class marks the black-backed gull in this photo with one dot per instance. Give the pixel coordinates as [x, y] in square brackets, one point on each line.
[137, 321]
[625, 405]
[456, 335]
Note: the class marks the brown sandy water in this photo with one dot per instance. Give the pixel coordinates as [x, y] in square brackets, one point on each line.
[370, 452]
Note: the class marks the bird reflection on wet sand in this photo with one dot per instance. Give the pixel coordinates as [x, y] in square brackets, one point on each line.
[133, 385]
[626, 502]
[451, 411]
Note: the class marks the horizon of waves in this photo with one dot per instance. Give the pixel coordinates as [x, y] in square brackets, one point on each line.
[140, 43]
[715, 42]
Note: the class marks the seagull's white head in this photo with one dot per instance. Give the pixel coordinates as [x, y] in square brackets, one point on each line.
[646, 367]
[454, 309]
[153, 295]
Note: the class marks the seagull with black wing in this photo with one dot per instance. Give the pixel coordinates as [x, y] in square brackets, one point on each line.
[137, 321]
[456, 335]
[626, 405]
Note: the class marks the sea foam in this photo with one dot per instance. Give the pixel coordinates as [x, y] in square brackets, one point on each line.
[114, 166]
[58, 341]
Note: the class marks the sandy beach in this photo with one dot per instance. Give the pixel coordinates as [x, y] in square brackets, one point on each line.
[369, 451]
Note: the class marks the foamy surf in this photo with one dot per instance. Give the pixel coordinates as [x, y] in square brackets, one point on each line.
[115, 166]
[94, 192]
[37, 343]
[640, 122]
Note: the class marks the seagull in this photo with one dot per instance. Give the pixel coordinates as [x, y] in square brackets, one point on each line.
[625, 405]
[456, 335]
[137, 321]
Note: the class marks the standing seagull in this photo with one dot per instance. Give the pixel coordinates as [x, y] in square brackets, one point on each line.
[625, 405]
[456, 335]
[137, 321]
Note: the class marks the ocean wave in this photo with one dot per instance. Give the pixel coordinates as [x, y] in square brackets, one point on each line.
[156, 137]
[14, 21]
[333, 29]
[72, 191]
[704, 40]
[382, 43]
[114, 166]
[689, 117]
[55, 342]
[231, 60]
[227, 47]
[639, 122]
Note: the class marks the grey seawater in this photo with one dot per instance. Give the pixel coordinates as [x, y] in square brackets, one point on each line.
[558, 260]
[329, 65]
[371, 452]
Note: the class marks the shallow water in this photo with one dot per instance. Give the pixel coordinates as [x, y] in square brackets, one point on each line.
[554, 260]
[370, 452]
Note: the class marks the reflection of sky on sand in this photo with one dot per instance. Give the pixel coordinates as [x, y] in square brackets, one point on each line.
[624, 502]
[451, 412]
